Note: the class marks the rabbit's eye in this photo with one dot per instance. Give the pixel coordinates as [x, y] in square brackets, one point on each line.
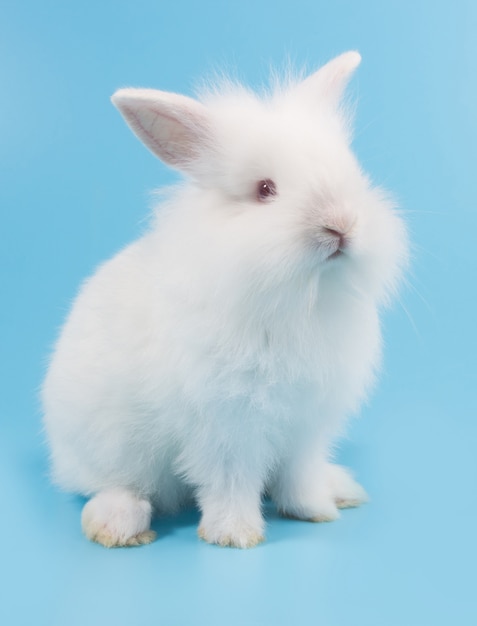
[266, 189]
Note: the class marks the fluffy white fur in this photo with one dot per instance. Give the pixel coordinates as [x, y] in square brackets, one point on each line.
[219, 356]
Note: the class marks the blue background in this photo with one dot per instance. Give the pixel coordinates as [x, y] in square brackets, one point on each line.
[75, 187]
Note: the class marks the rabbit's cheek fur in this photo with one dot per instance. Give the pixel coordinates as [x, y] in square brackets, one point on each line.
[219, 355]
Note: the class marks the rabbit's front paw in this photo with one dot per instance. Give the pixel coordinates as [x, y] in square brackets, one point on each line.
[117, 518]
[320, 510]
[347, 493]
[318, 499]
[236, 535]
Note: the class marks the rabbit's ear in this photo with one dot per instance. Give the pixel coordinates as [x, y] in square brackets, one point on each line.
[330, 80]
[173, 127]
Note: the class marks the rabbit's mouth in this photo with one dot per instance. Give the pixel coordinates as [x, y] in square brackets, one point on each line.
[336, 254]
[340, 251]
[328, 251]
[337, 242]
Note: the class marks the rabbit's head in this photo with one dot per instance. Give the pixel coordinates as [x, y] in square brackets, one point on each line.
[274, 178]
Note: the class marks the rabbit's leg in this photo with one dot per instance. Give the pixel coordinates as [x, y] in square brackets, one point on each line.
[308, 486]
[117, 517]
[231, 514]
[225, 458]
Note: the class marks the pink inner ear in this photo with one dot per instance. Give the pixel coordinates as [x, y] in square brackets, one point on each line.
[168, 124]
[143, 123]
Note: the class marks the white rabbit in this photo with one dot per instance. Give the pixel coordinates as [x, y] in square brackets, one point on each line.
[218, 356]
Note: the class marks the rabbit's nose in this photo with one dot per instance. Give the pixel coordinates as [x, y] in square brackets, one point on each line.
[343, 241]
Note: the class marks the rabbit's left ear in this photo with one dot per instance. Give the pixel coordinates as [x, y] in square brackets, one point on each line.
[175, 128]
[330, 80]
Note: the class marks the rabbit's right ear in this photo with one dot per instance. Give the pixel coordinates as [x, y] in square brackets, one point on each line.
[330, 80]
[175, 128]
